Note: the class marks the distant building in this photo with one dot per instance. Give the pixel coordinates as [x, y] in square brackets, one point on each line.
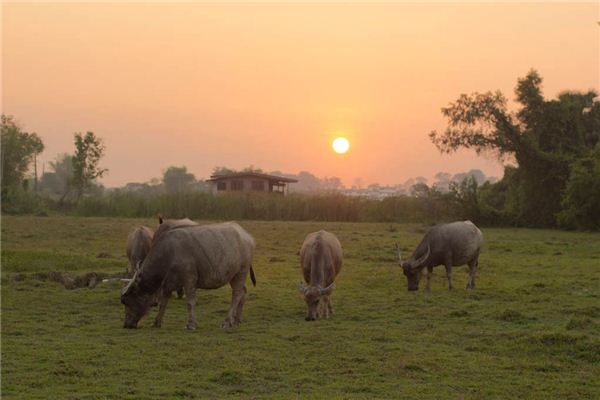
[249, 182]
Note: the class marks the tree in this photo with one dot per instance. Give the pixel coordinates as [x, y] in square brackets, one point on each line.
[251, 169]
[18, 150]
[89, 149]
[463, 196]
[420, 190]
[332, 183]
[543, 138]
[222, 171]
[581, 199]
[58, 181]
[177, 179]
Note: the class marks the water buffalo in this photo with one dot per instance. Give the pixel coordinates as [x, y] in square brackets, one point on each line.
[321, 261]
[138, 246]
[195, 256]
[452, 244]
[168, 224]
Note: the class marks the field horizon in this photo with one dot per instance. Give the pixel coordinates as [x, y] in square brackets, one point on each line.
[531, 328]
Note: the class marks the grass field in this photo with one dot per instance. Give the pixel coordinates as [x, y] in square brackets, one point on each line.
[530, 330]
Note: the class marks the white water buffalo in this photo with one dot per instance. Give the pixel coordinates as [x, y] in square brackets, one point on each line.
[138, 246]
[195, 256]
[321, 261]
[452, 244]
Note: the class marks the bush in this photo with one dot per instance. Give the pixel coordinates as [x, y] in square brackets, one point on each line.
[581, 199]
[19, 201]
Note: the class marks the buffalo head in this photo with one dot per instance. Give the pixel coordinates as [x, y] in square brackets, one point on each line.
[136, 304]
[312, 295]
[413, 268]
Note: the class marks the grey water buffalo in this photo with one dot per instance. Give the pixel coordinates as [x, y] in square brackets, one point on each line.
[194, 256]
[167, 225]
[138, 246]
[452, 244]
[321, 262]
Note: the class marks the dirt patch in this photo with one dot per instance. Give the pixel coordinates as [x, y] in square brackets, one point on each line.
[89, 279]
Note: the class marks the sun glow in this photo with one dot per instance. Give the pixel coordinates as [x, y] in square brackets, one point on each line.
[340, 145]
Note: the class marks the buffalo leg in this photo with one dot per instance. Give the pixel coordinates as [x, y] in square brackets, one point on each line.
[190, 300]
[238, 292]
[429, 275]
[449, 276]
[180, 292]
[162, 306]
[472, 272]
[327, 307]
[240, 306]
[322, 308]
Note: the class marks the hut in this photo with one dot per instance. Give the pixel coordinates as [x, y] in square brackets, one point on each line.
[249, 182]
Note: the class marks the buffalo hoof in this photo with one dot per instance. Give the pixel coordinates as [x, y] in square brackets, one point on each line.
[310, 319]
[191, 327]
[156, 324]
[227, 324]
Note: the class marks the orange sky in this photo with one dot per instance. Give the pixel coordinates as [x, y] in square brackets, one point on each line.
[271, 84]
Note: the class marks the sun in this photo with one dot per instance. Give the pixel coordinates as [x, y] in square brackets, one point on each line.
[340, 145]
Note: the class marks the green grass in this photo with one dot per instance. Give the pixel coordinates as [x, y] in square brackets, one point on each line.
[530, 330]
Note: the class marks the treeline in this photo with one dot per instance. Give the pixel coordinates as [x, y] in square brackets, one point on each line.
[553, 145]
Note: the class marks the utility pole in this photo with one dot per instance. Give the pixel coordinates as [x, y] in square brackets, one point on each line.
[35, 173]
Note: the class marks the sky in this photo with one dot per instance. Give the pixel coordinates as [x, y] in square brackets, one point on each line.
[271, 85]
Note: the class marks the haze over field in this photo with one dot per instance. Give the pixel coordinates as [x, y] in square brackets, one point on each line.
[271, 85]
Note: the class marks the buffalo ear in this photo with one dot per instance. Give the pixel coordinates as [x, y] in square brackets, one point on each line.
[160, 219]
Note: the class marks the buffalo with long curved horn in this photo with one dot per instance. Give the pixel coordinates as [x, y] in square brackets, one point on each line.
[452, 244]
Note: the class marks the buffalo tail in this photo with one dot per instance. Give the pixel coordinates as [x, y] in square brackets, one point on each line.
[252, 277]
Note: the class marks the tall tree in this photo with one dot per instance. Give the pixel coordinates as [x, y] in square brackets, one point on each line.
[89, 149]
[543, 138]
[177, 179]
[18, 150]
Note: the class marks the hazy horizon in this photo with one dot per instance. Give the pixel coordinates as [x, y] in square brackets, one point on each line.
[270, 85]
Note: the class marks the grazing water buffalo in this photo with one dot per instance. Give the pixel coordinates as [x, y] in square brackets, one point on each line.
[168, 224]
[195, 256]
[138, 246]
[452, 244]
[321, 261]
